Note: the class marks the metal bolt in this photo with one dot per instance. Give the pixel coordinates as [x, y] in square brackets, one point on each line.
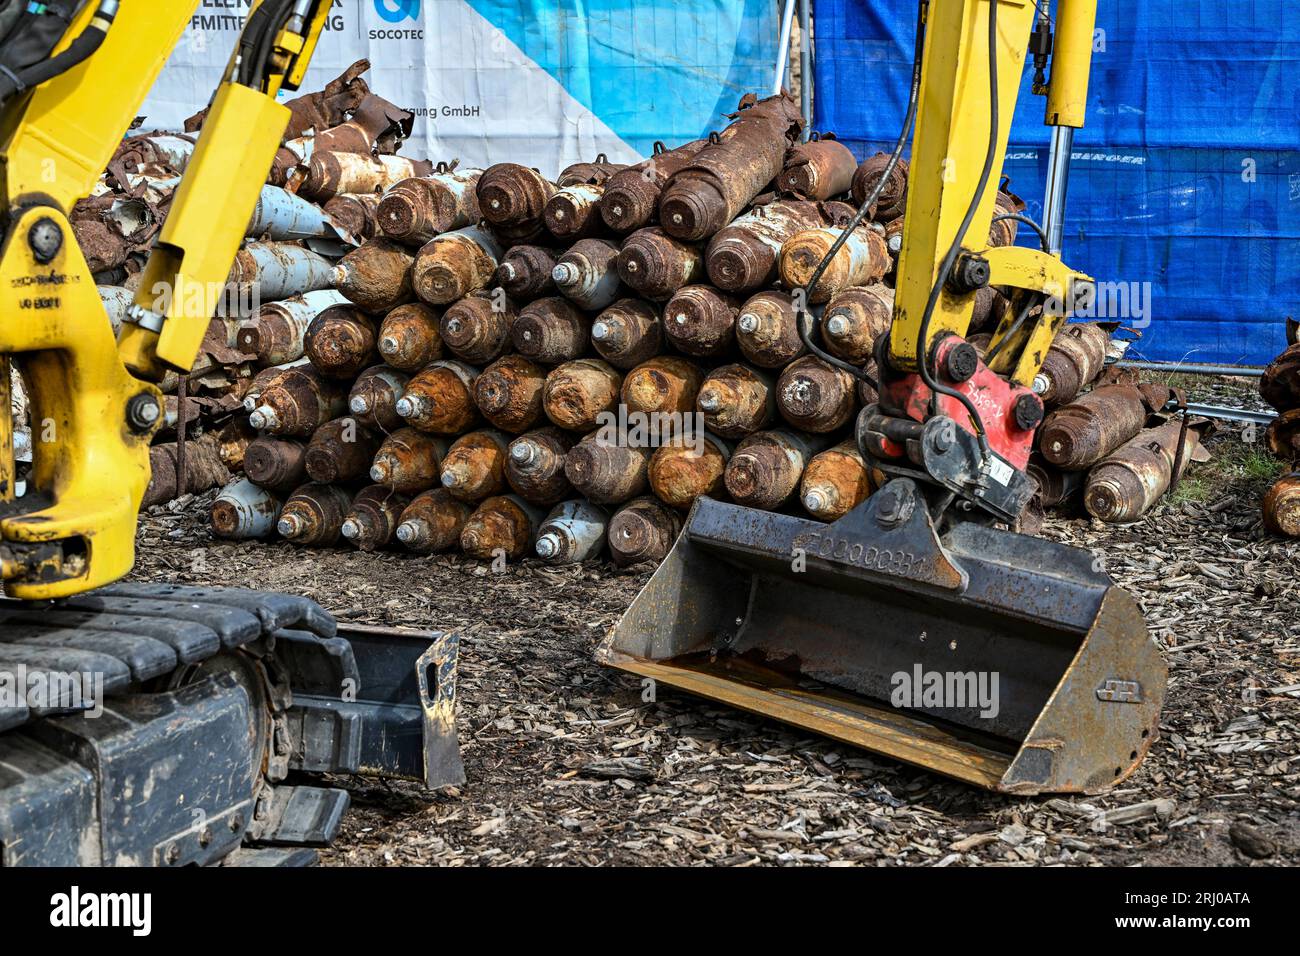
[205, 836]
[173, 853]
[45, 239]
[142, 411]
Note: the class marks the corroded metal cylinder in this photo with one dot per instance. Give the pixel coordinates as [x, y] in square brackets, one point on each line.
[1282, 506]
[260, 382]
[409, 461]
[357, 215]
[577, 393]
[329, 173]
[767, 330]
[276, 463]
[684, 469]
[340, 451]
[440, 398]
[454, 264]
[765, 469]
[835, 482]
[1280, 383]
[373, 518]
[816, 396]
[627, 333]
[1127, 483]
[699, 320]
[607, 472]
[535, 465]
[743, 256]
[503, 525]
[573, 531]
[665, 384]
[474, 466]
[656, 265]
[1002, 232]
[736, 400]
[594, 173]
[243, 510]
[819, 169]
[278, 270]
[476, 329]
[642, 530]
[513, 196]
[409, 338]
[509, 393]
[854, 319]
[587, 274]
[340, 341]
[1283, 436]
[631, 197]
[374, 396]
[415, 210]
[313, 515]
[862, 260]
[432, 522]
[550, 331]
[1072, 363]
[1092, 426]
[573, 213]
[376, 275]
[893, 197]
[298, 402]
[1055, 487]
[525, 272]
[275, 334]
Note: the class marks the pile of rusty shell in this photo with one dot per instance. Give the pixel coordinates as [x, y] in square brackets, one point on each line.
[408, 461]
[862, 260]
[503, 525]
[1074, 360]
[340, 341]
[699, 320]
[587, 274]
[525, 272]
[276, 463]
[373, 399]
[550, 331]
[606, 471]
[415, 210]
[243, 510]
[1127, 483]
[340, 451]
[475, 465]
[263, 379]
[1055, 487]
[477, 328]
[721, 179]
[595, 173]
[816, 396]
[513, 196]
[1002, 232]
[767, 330]
[409, 338]
[298, 402]
[573, 531]
[642, 530]
[686, 468]
[440, 398]
[1282, 506]
[819, 169]
[765, 469]
[1092, 426]
[854, 319]
[578, 393]
[665, 384]
[535, 465]
[573, 213]
[278, 270]
[893, 197]
[1280, 383]
[275, 334]
[835, 482]
[327, 174]
[656, 265]
[376, 275]
[509, 393]
[1283, 436]
[631, 197]
[373, 518]
[454, 264]
[357, 215]
[736, 401]
[313, 516]
[744, 255]
[627, 333]
[432, 522]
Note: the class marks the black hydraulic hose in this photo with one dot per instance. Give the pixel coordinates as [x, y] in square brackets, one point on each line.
[86, 43]
[1017, 217]
[258, 39]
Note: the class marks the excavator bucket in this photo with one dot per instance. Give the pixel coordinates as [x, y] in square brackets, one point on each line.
[1006, 661]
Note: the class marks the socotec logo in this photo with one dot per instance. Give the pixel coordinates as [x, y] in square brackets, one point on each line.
[395, 11]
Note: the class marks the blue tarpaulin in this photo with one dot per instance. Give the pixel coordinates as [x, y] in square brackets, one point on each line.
[1184, 188]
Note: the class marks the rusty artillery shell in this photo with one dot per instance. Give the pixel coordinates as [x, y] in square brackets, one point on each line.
[340, 451]
[744, 255]
[275, 334]
[573, 531]
[767, 329]
[1003, 232]
[373, 518]
[233, 439]
[550, 331]
[474, 466]
[721, 179]
[1128, 482]
[298, 402]
[341, 341]
[990, 304]
[862, 260]
[415, 210]
[408, 461]
[276, 463]
[525, 273]
[1055, 486]
[657, 265]
[313, 515]
[595, 173]
[357, 214]
[329, 173]
[736, 401]
[432, 522]
[573, 213]
[765, 468]
[1280, 383]
[665, 384]
[263, 379]
[578, 392]
[440, 398]
[376, 275]
[854, 319]
[1282, 506]
[835, 482]
[642, 530]
[627, 333]
[607, 471]
[509, 393]
[501, 525]
[513, 196]
[204, 469]
[631, 198]
[819, 169]
[699, 320]
[1092, 426]
[1072, 363]
[816, 396]
[587, 274]
[374, 395]
[686, 468]
[893, 198]
[409, 338]
[477, 328]
[243, 510]
[1283, 436]
[454, 264]
[535, 465]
